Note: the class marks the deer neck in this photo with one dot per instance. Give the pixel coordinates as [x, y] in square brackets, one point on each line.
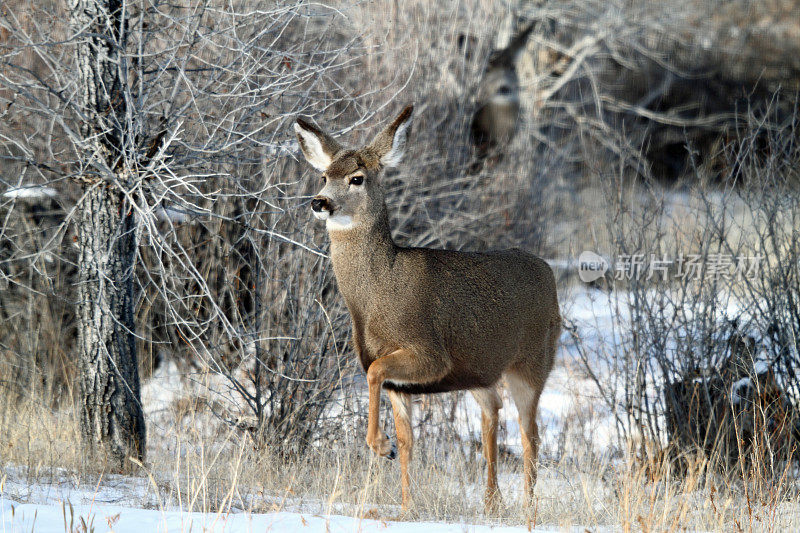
[362, 259]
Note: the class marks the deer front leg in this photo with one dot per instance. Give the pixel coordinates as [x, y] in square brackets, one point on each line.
[400, 366]
[376, 438]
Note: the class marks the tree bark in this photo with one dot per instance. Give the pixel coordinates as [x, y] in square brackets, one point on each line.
[112, 422]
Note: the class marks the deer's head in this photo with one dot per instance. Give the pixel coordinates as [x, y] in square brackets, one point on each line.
[352, 195]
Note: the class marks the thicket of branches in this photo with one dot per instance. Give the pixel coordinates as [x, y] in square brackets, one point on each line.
[706, 296]
[209, 91]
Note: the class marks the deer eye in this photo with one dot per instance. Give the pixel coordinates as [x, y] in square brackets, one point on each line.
[357, 180]
[324, 179]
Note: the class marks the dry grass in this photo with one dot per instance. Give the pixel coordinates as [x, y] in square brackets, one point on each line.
[196, 465]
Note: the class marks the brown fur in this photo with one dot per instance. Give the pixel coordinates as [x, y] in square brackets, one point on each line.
[428, 320]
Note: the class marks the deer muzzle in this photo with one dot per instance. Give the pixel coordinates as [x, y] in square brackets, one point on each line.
[321, 207]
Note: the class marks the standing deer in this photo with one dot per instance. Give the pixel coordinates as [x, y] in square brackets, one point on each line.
[495, 121]
[426, 320]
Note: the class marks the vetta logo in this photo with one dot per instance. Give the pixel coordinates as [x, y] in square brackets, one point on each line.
[591, 266]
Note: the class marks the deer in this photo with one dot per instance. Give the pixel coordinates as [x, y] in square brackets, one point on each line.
[496, 118]
[426, 320]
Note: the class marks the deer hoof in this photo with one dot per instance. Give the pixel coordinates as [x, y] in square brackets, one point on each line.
[383, 447]
[392, 452]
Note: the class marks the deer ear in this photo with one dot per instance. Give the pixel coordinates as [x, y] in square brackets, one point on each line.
[390, 144]
[506, 56]
[318, 147]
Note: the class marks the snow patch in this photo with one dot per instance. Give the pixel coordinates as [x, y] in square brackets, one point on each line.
[31, 192]
[761, 367]
[736, 390]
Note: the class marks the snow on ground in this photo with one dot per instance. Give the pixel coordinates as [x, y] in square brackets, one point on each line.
[128, 504]
[16, 517]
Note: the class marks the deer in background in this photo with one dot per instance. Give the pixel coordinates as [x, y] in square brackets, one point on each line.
[426, 320]
[495, 121]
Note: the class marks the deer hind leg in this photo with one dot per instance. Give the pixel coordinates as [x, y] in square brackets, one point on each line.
[526, 392]
[401, 405]
[490, 404]
[400, 366]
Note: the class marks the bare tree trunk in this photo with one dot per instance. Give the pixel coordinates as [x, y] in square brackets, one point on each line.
[112, 422]
[111, 416]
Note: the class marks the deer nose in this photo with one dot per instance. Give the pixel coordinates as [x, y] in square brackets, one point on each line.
[320, 203]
